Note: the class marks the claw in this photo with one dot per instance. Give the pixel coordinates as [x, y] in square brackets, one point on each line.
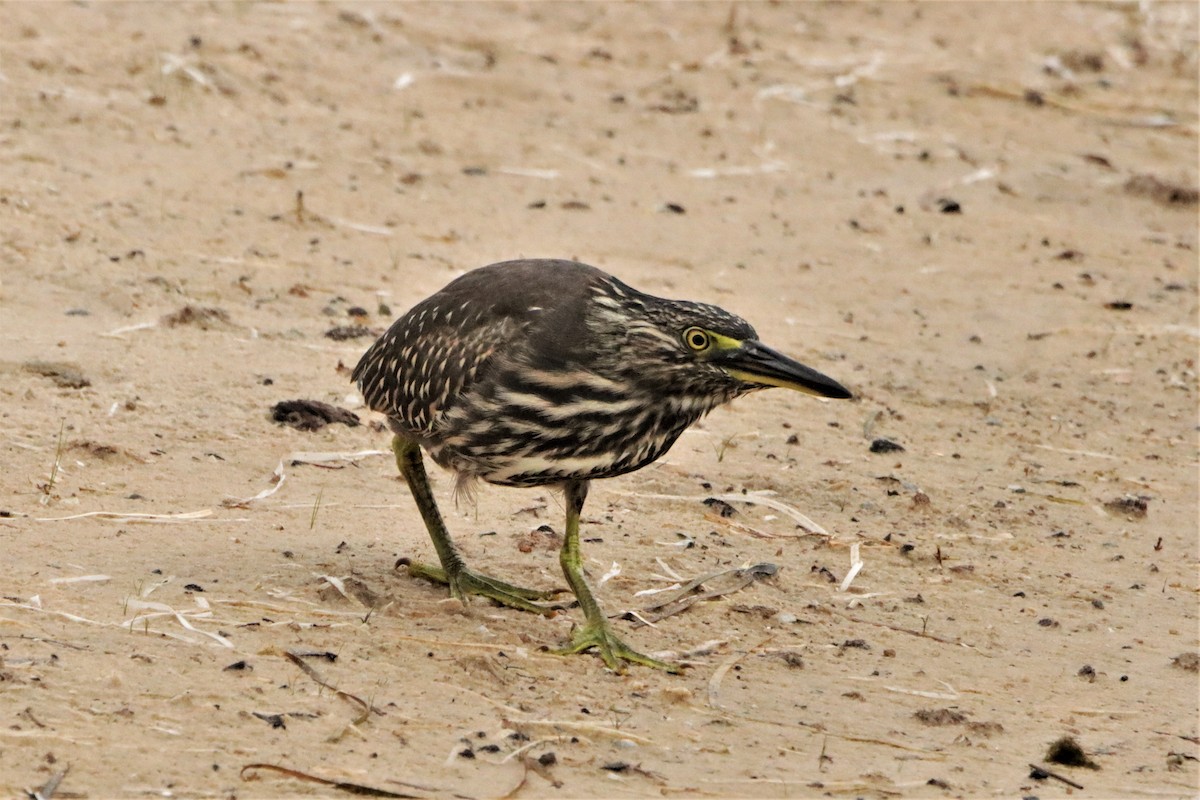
[612, 649]
[467, 582]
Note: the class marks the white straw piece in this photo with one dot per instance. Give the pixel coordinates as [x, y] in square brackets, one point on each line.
[760, 498]
[82, 579]
[670, 588]
[613, 572]
[133, 516]
[117, 333]
[738, 172]
[856, 565]
[529, 172]
[361, 227]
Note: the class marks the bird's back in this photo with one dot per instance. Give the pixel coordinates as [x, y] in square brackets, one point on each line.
[441, 348]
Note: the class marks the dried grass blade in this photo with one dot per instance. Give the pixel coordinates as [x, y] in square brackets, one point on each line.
[277, 478]
[118, 333]
[361, 227]
[338, 584]
[683, 599]
[365, 707]
[1072, 451]
[714, 683]
[164, 610]
[761, 498]
[64, 614]
[325, 457]
[529, 746]
[352, 788]
[579, 727]
[856, 565]
[949, 696]
[668, 570]
[613, 572]
[134, 516]
[82, 579]
[909, 631]
[511, 793]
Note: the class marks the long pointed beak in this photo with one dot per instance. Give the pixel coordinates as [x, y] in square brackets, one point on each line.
[754, 362]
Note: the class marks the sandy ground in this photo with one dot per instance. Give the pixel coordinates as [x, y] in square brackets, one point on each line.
[981, 218]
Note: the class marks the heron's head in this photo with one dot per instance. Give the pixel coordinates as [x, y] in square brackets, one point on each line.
[697, 348]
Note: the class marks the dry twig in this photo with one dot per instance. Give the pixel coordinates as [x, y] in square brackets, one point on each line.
[1055, 775]
[365, 707]
[683, 598]
[352, 788]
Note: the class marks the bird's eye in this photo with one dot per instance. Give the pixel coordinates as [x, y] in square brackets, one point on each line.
[697, 339]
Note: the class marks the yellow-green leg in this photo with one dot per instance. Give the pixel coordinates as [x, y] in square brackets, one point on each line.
[454, 572]
[596, 631]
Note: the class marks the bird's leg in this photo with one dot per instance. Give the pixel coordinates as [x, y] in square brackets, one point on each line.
[596, 631]
[454, 572]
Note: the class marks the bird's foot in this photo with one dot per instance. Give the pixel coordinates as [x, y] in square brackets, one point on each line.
[611, 648]
[467, 582]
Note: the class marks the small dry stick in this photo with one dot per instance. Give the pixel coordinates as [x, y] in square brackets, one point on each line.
[58, 451]
[575, 727]
[366, 707]
[312, 522]
[922, 634]
[1056, 776]
[681, 600]
[1185, 737]
[352, 788]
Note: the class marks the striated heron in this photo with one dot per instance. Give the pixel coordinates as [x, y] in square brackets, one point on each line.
[546, 372]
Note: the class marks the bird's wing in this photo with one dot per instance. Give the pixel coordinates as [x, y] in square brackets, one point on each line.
[454, 339]
[428, 358]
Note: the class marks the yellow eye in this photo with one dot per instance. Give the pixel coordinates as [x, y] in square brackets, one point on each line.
[697, 339]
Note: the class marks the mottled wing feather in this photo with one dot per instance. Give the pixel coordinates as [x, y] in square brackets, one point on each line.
[415, 372]
[434, 355]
